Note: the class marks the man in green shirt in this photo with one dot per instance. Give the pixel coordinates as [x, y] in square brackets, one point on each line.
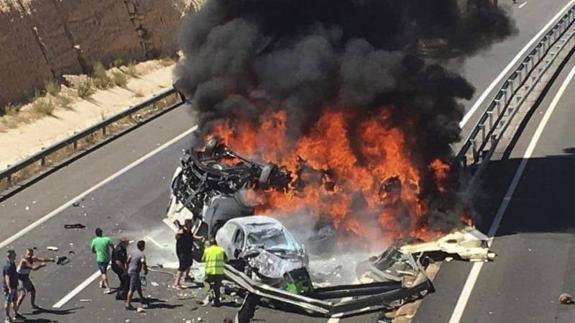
[102, 246]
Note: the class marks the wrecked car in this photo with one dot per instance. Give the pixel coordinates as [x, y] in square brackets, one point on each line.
[265, 250]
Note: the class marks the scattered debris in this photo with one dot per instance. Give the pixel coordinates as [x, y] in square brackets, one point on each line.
[52, 248]
[466, 244]
[85, 299]
[154, 284]
[74, 226]
[566, 299]
[140, 310]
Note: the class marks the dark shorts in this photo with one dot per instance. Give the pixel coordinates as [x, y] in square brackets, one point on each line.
[102, 267]
[25, 284]
[135, 282]
[10, 297]
[186, 260]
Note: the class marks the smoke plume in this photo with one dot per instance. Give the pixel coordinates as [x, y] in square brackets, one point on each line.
[244, 59]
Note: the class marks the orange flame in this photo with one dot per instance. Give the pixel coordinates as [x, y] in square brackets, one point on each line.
[369, 187]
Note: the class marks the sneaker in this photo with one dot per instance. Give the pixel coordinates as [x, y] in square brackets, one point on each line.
[108, 291]
[8, 320]
[130, 308]
[19, 316]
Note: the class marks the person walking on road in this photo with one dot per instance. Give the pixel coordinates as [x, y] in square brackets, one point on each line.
[101, 246]
[136, 264]
[120, 267]
[10, 279]
[214, 258]
[184, 248]
[25, 266]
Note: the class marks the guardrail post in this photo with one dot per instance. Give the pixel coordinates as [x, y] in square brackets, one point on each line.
[482, 128]
[490, 116]
[474, 150]
[43, 161]
[104, 131]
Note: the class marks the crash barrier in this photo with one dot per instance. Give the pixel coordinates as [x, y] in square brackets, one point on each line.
[357, 299]
[127, 120]
[479, 146]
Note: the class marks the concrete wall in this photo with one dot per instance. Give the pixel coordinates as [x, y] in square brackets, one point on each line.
[43, 39]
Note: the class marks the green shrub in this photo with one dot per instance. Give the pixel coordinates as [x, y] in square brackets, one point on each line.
[119, 78]
[85, 89]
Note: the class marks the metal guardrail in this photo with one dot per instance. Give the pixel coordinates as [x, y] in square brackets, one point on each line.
[41, 157]
[479, 146]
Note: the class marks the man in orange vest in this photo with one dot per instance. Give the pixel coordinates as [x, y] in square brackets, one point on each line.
[214, 258]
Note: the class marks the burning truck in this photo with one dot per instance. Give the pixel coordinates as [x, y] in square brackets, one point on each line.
[267, 263]
[331, 111]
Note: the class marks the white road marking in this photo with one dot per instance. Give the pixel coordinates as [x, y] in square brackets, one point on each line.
[77, 290]
[66, 205]
[523, 5]
[474, 274]
[491, 86]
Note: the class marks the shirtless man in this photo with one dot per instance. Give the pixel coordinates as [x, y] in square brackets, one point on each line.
[25, 266]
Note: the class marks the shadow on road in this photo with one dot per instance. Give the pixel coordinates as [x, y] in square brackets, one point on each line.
[543, 201]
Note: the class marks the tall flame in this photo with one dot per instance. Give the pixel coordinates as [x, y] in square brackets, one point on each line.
[364, 178]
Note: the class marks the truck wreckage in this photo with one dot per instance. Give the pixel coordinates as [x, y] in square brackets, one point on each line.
[268, 265]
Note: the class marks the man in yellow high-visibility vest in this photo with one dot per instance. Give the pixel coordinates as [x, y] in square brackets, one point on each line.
[214, 259]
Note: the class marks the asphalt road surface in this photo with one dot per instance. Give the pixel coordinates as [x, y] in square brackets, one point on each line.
[123, 188]
[535, 239]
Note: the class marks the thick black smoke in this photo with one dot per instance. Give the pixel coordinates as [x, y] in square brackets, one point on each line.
[244, 57]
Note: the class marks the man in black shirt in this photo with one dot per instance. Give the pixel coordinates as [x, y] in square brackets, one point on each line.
[184, 246]
[120, 267]
[10, 279]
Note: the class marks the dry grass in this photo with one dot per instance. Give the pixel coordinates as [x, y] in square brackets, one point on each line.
[139, 93]
[100, 78]
[131, 69]
[85, 89]
[64, 101]
[44, 106]
[52, 87]
[166, 61]
[119, 79]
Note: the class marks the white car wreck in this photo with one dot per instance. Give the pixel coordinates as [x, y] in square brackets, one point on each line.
[264, 248]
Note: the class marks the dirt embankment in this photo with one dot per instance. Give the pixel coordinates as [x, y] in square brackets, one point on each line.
[44, 39]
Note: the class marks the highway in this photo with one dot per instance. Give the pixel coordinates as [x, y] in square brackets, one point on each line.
[534, 238]
[123, 188]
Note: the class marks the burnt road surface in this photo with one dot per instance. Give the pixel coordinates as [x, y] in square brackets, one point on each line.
[123, 188]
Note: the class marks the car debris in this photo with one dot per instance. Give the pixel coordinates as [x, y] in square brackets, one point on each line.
[465, 244]
[74, 226]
